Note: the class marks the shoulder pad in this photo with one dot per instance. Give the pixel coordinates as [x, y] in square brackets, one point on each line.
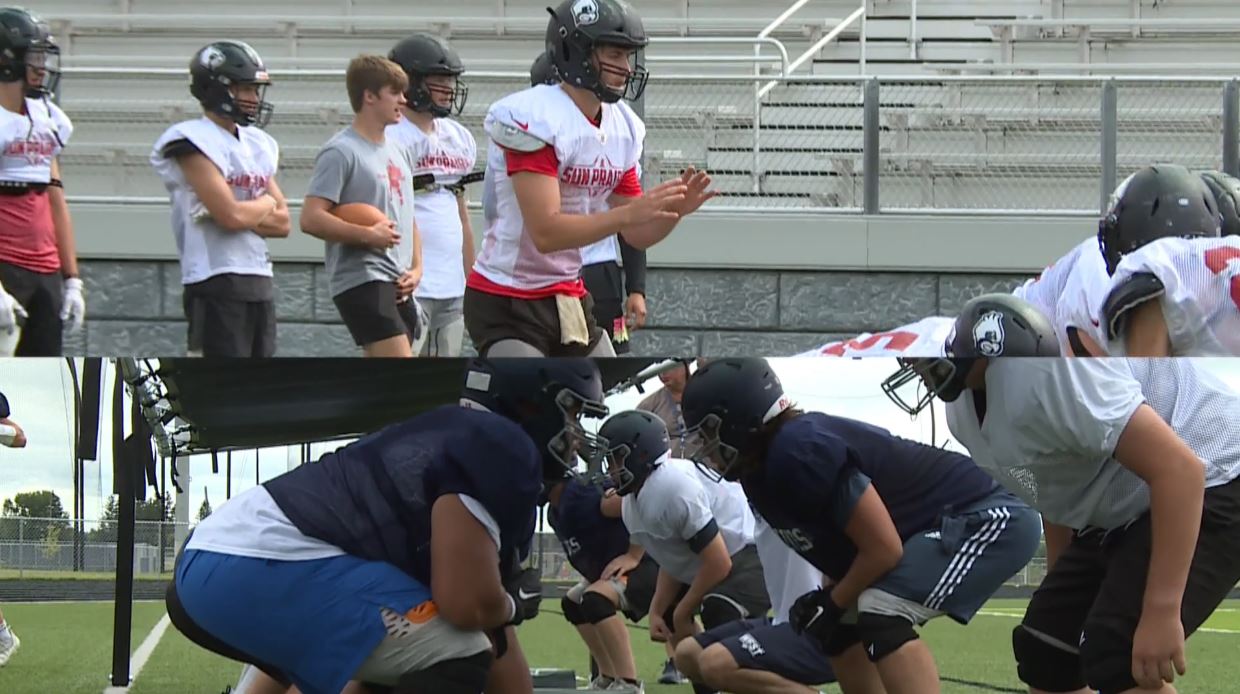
[1135, 291]
[511, 137]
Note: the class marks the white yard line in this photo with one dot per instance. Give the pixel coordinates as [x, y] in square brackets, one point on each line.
[143, 654]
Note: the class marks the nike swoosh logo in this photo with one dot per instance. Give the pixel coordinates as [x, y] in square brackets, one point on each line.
[1095, 322]
[526, 596]
[523, 126]
[817, 613]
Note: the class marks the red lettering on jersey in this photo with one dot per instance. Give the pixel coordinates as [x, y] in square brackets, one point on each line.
[898, 341]
[38, 150]
[445, 161]
[253, 184]
[1217, 260]
[601, 176]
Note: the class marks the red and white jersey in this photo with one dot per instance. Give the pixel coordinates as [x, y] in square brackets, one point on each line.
[448, 152]
[30, 141]
[1201, 302]
[248, 161]
[592, 162]
[1081, 296]
[925, 338]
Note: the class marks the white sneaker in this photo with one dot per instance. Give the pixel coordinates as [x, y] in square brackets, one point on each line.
[622, 686]
[8, 647]
[601, 683]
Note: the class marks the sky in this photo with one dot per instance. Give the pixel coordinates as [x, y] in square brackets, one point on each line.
[40, 392]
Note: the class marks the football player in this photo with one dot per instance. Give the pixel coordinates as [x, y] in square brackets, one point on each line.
[38, 253]
[562, 164]
[11, 436]
[220, 174]
[905, 532]
[1138, 458]
[444, 149]
[391, 560]
[700, 533]
[372, 270]
[616, 575]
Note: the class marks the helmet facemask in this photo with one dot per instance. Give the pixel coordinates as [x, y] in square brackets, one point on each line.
[716, 459]
[572, 442]
[422, 93]
[42, 63]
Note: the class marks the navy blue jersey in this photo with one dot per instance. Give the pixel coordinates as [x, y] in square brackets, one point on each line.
[373, 498]
[818, 466]
[590, 539]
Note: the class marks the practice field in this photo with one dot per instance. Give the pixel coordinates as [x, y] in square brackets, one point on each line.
[66, 648]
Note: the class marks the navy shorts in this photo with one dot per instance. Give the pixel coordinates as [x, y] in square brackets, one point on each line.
[756, 644]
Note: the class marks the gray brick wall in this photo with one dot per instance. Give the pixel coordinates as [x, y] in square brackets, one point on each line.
[134, 309]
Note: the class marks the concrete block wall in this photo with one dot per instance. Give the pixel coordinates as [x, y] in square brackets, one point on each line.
[134, 309]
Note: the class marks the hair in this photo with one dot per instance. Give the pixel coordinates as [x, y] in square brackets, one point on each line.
[371, 73]
[770, 430]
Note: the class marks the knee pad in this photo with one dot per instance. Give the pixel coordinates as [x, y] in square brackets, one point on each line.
[882, 635]
[1106, 659]
[595, 608]
[571, 610]
[717, 610]
[1045, 665]
[457, 676]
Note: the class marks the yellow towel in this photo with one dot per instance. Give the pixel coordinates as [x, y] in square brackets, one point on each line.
[573, 327]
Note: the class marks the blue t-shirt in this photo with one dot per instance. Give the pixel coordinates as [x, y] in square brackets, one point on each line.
[590, 539]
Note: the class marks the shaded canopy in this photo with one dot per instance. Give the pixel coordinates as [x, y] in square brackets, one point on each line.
[251, 403]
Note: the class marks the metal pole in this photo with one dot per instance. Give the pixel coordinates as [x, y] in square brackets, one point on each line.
[1231, 129]
[124, 484]
[870, 146]
[1110, 127]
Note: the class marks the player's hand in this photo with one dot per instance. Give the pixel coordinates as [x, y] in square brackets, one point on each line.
[1158, 648]
[658, 204]
[682, 622]
[619, 566]
[659, 631]
[10, 311]
[73, 310]
[696, 193]
[816, 614]
[526, 591]
[635, 311]
[407, 283]
[383, 235]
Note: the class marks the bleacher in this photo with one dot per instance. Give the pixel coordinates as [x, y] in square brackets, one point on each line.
[948, 141]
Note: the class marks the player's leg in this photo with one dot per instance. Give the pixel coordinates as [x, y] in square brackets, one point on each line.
[766, 659]
[599, 607]
[42, 295]
[740, 595]
[218, 326]
[510, 674]
[422, 652]
[570, 605]
[854, 672]
[9, 642]
[689, 651]
[1106, 645]
[446, 328]
[605, 282]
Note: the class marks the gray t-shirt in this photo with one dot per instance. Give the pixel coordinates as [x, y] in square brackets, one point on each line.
[351, 169]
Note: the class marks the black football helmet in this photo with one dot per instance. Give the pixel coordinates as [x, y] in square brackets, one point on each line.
[548, 398]
[1156, 202]
[219, 66]
[726, 403]
[26, 44]
[421, 55]
[1226, 190]
[636, 440]
[543, 71]
[578, 28]
[991, 325]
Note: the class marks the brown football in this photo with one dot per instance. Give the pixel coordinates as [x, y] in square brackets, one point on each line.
[359, 213]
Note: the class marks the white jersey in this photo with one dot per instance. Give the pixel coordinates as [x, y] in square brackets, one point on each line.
[1051, 427]
[592, 163]
[1201, 298]
[787, 575]
[605, 251]
[674, 504]
[248, 162]
[31, 141]
[925, 338]
[449, 153]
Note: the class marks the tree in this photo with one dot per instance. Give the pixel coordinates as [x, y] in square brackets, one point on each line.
[151, 516]
[42, 505]
[204, 510]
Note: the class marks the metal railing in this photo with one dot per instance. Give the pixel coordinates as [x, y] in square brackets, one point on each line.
[928, 143]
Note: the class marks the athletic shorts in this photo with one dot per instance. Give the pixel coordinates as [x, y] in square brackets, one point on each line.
[224, 326]
[321, 622]
[372, 315]
[491, 318]
[636, 589]
[743, 590]
[757, 644]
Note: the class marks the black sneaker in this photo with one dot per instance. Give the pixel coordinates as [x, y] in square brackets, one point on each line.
[670, 674]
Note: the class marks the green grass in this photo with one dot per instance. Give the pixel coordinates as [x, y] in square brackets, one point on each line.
[66, 648]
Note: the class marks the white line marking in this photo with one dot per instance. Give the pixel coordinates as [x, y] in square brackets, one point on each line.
[143, 654]
[993, 613]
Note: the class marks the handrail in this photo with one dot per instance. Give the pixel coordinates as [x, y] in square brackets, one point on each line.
[808, 54]
[757, 43]
[1230, 23]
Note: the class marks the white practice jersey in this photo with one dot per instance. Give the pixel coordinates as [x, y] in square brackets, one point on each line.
[1070, 292]
[248, 162]
[1201, 297]
[674, 504]
[592, 163]
[925, 338]
[29, 142]
[788, 576]
[449, 153]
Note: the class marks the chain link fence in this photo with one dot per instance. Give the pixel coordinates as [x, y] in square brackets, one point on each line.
[52, 547]
[938, 144]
